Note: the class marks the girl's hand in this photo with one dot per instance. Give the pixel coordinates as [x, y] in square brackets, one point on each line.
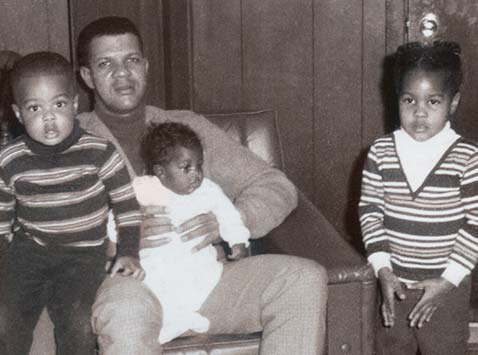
[390, 287]
[434, 292]
[155, 223]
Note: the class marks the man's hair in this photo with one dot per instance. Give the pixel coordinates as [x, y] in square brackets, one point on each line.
[41, 63]
[161, 140]
[105, 26]
[440, 56]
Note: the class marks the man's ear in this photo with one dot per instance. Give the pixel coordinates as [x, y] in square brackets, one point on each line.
[16, 110]
[85, 74]
[454, 103]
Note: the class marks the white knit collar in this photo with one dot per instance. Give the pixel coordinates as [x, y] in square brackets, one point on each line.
[419, 158]
[443, 137]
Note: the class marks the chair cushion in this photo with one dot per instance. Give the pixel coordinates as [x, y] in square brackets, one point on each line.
[256, 130]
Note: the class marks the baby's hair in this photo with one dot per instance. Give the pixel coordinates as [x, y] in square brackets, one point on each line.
[160, 141]
[440, 56]
[105, 26]
[38, 64]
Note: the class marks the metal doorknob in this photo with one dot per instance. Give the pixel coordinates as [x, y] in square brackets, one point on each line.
[429, 25]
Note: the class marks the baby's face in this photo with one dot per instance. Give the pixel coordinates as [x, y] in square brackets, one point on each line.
[425, 104]
[46, 105]
[183, 174]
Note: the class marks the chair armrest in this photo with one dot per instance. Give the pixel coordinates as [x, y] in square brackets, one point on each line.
[307, 233]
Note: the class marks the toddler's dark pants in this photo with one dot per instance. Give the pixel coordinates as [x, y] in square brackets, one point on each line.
[447, 332]
[65, 280]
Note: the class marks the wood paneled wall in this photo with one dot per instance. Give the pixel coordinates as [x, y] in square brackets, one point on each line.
[34, 25]
[318, 63]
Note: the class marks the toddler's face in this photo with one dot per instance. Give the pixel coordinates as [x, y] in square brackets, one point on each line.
[425, 104]
[183, 174]
[46, 105]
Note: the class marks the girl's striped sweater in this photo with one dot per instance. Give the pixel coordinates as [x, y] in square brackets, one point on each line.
[61, 195]
[431, 229]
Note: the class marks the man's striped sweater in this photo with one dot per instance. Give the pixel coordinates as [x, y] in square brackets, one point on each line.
[61, 195]
[429, 231]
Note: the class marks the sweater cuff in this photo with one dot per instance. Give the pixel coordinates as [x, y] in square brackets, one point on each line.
[131, 252]
[379, 260]
[128, 242]
[455, 273]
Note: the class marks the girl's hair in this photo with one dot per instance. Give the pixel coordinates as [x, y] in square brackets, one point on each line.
[161, 140]
[439, 56]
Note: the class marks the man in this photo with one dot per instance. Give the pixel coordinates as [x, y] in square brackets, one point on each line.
[282, 296]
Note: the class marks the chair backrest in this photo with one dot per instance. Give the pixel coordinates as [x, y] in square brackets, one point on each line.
[257, 130]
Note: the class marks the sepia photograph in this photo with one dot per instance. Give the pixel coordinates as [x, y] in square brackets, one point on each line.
[238, 177]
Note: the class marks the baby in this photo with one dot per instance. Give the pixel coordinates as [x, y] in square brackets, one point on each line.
[181, 277]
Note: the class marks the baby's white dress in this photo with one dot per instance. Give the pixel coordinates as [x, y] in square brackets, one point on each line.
[183, 280]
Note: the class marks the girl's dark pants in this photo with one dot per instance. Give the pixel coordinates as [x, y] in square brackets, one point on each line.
[446, 333]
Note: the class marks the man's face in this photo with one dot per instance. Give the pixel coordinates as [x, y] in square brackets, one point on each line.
[117, 72]
[46, 105]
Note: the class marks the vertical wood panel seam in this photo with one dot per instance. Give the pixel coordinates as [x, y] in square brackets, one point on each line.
[71, 30]
[314, 146]
[362, 74]
[387, 25]
[242, 56]
[190, 27]
[406, 8]
[48, 28]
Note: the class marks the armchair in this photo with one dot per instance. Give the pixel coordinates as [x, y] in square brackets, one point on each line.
[306, 233]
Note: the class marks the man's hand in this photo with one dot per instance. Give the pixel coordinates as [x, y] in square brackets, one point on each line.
[128, 266]
[201, 225]
[390, 287]
[434, 292]
[155, 223]
[238, 251]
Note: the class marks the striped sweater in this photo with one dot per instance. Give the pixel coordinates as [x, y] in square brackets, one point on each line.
[431, 230]
[61, 195]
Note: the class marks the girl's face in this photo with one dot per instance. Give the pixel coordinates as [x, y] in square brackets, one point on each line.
[425, 104]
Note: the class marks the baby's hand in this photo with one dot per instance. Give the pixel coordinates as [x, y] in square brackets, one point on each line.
[238, 251]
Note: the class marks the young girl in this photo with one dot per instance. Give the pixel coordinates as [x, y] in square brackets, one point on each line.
[419, 208]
